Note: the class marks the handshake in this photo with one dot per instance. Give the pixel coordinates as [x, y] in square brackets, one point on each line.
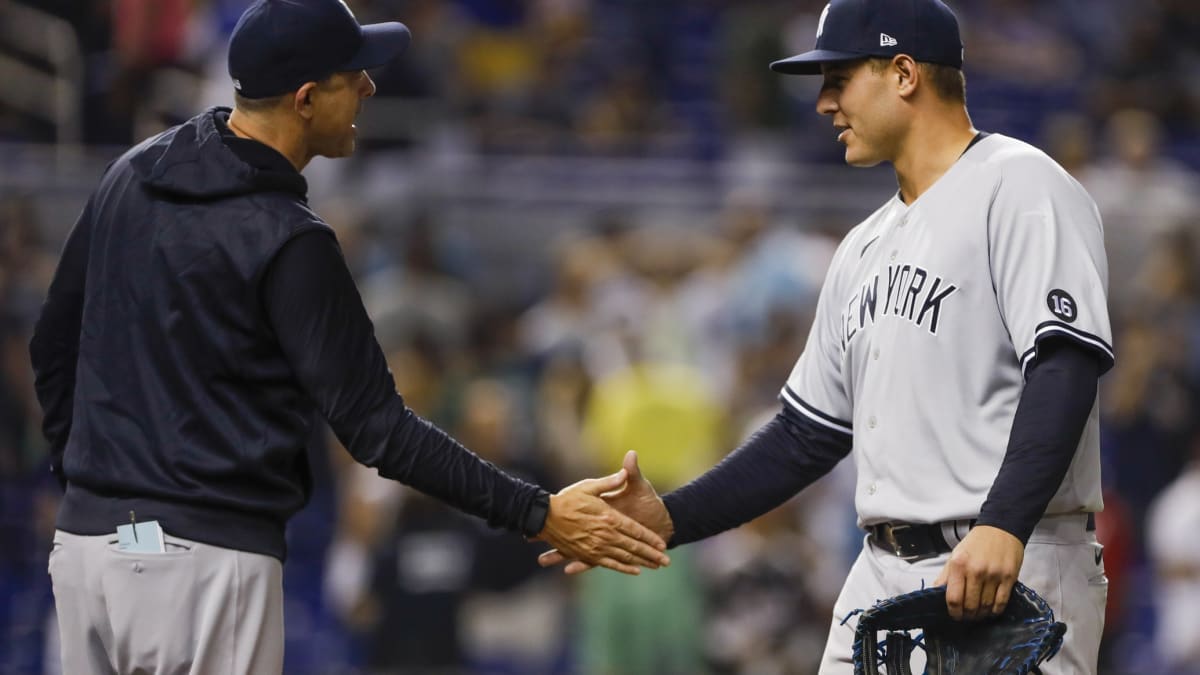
[618, 522]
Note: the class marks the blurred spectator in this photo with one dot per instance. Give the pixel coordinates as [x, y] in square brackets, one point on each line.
[567, 320]
[404, 566]
[1148, 410]
[665, 411]
[1067, 138]
[26, 266]
[761, 617]
[28, 494]
[624, 116]
[25, 272]
[1176, 558]
[1154, 68]
[412, 294]
[1141, 194]
[1046, 57]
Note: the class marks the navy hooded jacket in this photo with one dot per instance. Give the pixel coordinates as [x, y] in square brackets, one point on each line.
[200, 315]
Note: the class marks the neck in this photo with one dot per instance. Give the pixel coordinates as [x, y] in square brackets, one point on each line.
[273, 132]
[933, 144]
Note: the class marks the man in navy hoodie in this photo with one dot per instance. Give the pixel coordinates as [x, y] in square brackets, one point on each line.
[201, 313]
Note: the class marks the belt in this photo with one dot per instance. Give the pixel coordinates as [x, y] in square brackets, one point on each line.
[918, 541]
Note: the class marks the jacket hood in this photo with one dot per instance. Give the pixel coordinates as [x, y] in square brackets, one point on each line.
[193, 160]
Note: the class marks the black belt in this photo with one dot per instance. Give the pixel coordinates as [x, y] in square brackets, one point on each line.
[918, 541]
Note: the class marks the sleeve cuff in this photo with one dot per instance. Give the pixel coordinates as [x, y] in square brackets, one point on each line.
[535, 515]
[791, 400]
[1104, 352]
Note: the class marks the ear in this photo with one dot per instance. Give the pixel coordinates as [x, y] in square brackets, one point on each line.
[907, 75]
[302, 101]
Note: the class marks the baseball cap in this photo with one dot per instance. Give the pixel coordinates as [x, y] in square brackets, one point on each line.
[278, 45]
[853, 29]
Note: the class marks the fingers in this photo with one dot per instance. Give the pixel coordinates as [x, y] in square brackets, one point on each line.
[576, 567]
[598, 486]
[972, 590]
[631, 465]
[642, 541]
[623, 568]
[635, 530]
[634, 552]
[551, 558]
[1003, 592]
[955, 588]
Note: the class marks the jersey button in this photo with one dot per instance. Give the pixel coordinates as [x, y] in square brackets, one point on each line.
[894, 254]
[903, 221]
[875, 354]
[871, 422]
[871, 489]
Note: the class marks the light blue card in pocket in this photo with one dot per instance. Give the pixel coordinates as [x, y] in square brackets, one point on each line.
[146, 537]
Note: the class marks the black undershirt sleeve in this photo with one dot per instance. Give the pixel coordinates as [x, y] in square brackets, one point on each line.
[780, 459]
[318, 317]
[1060, 390]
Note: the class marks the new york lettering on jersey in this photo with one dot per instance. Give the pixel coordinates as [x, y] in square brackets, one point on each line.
[912, 293]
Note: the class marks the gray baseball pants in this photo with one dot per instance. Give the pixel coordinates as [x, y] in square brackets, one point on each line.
[196, 609]
[1063, 563]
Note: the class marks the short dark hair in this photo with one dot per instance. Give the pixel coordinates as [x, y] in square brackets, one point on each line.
[258, 104]
[263, 104]
[948, 82]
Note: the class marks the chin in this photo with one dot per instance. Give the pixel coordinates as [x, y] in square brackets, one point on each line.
[861, 161]
[344, 150]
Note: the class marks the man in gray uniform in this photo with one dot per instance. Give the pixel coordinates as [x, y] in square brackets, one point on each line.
[955, 352]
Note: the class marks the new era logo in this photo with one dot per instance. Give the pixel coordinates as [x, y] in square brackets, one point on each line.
[886, 40]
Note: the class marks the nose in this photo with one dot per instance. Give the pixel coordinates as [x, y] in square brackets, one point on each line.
[368, 86]
[826, 102]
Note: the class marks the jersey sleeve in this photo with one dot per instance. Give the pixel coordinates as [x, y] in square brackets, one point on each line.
[1049, 269]
[816, 388]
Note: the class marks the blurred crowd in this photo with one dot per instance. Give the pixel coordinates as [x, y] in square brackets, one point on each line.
[635, 329]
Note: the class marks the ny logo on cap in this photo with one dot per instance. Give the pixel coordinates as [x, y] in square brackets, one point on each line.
[821, 22]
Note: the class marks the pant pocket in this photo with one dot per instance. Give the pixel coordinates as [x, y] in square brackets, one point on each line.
[150, 599]
[55, 549]
[1098, 581]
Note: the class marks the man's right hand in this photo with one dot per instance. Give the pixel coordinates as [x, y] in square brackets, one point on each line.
[590, 531]
[637, 499]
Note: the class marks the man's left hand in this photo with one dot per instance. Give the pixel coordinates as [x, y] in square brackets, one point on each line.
[981, 572]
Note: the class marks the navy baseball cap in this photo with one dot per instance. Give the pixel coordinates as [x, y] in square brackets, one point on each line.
[854, 29]
[278, 45]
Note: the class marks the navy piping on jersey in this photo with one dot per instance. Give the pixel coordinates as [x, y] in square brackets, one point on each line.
[796, 403]
[1049, 328]
[979, 136]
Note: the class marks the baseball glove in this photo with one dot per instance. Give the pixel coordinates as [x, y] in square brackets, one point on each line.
[1013, 643]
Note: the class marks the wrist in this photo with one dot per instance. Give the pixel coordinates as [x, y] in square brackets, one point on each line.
[536, 514]
[666, 529]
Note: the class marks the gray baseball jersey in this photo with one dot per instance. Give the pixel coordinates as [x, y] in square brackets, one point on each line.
[929, 316]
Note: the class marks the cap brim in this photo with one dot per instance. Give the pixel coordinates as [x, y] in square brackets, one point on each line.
[382, 42]
[809, 63]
